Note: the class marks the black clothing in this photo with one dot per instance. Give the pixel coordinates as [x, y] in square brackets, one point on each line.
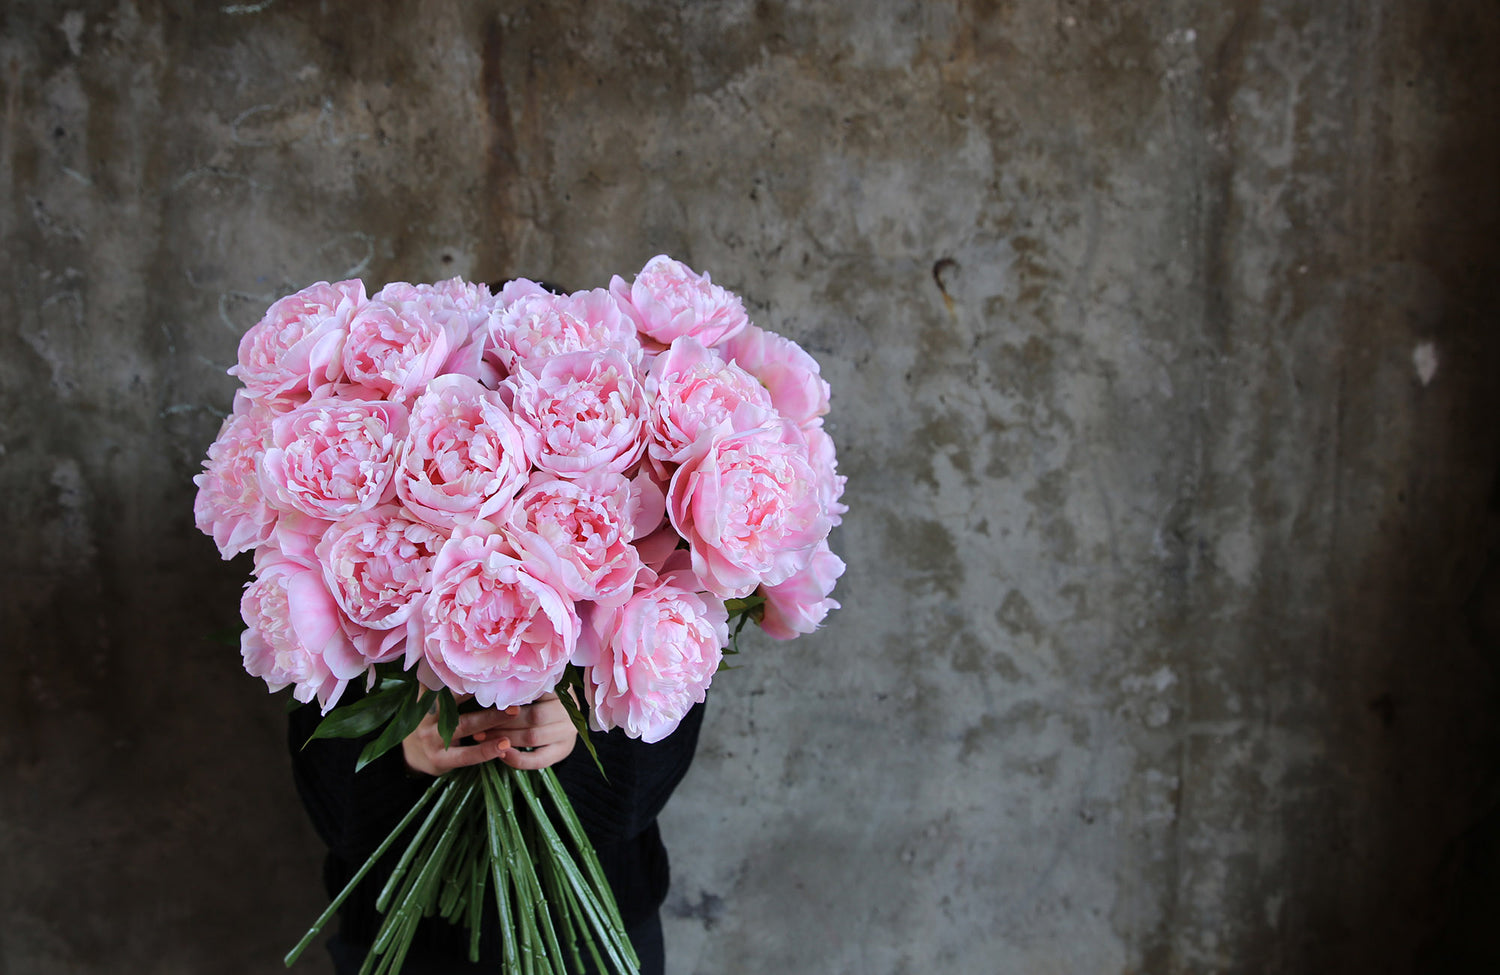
[353, 812]
[645, 937]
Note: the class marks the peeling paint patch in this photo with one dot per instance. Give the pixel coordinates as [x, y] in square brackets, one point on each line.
[1237, 555]
[1155, 682]
[240, 9]
[72, 540]
[1425, 358]
[72, 28]
[1016, 615]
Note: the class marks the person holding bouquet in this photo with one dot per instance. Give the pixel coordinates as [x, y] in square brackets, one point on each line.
[482, 520]
[353, 812]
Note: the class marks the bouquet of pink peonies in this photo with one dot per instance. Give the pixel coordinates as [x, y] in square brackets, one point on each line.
[454, 495]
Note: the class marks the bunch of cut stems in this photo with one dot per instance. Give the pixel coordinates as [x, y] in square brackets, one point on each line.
[491, 828]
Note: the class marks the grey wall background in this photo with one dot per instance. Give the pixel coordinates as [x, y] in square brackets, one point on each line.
[1163, 348]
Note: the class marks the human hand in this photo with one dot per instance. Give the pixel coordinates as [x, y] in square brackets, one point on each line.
[543, 727]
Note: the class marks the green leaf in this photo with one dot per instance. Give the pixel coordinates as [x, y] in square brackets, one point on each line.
[572, 680]
[447, 716]
[734, 638]
[751, 602]
[742, 611]
[365, 715]
[404, 723]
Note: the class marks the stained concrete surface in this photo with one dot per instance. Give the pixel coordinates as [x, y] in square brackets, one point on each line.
[1162, 344]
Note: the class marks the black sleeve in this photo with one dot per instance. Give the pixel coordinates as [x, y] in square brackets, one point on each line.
[352, 811]
[640, 780]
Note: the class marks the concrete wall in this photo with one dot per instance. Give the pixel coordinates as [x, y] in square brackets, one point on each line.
[1162, 342]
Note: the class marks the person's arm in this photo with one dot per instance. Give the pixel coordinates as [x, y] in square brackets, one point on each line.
[354, 811]
[640, 779]
[351, 811]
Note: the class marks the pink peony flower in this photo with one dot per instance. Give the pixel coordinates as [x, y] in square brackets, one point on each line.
[800, 604]
[376, 563]
[459, 308]
[579, 412]
[650, 660]
[494, 624]
[516, 289]
[658, 547]
[668, 299]
[792, 376]
[230, 505]
[294, 539]
[750, 507]
[478, 357]
[537, 326]
[297, 348]
[692, 390]
[464, 458]
[821, 456]
[468, 296]
[393, 350]
[294, 634]
[331, 457]
[585, 527]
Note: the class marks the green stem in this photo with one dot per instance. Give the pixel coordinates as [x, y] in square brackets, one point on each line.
[601, 910]
[384, 899]
[479, 875]
[317, 927]
[563, 810]
[568, 908]
[493, 812]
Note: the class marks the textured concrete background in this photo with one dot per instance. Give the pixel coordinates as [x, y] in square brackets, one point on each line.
[1163, 348]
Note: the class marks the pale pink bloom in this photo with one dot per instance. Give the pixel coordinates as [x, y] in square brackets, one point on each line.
[464, 458]
[459, 309]
[295, 538]
[586, 527]
[376, 564]
[579, 412]
[692, 390]
[648, 503]
[750, 507]
[537, 326]
[792, 376]
[332, 457]
[478, 358]
[494, 624]
[230, 505]
[668, 299]
[658, 547]
[800, 604]
[824, 461]
[516, 289]
[461, 294]
[393, 350]
[297, 348]
[294, 633]
[650, 660]
[454, 294]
